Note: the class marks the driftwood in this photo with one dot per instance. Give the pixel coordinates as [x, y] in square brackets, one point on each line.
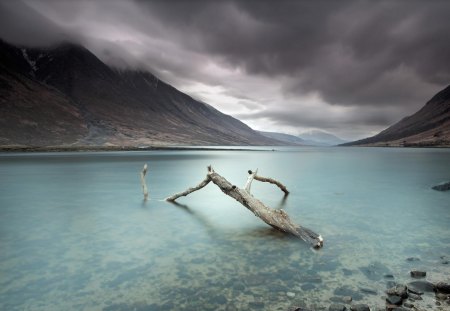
[273, 217]
[143, 183]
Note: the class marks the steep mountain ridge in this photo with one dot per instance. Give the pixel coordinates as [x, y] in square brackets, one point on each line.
[430, 126]
[107, 106]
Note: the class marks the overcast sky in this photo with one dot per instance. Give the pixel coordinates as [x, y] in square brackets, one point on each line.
[351, 68]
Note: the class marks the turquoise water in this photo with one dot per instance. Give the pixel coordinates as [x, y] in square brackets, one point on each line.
[75, 233]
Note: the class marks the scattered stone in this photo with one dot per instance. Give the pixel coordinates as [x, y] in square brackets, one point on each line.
[307, 287]
[277, 288]
[348, 291]
[394, 300]
[414, 291]
[347, 272]
[443, 287]
[254, 280]
[398, 290]
[445, 262]
[412, 259]
[390, 284]
[231, 307]
[375, 271]
[408, 305]
[256, 304]
[347, 299]
[336, 299]
[360, 307]
[221, 299]
[441, 296]
[298, 309]
[442, 187]
[418, 274]
[423, 286]
[414, 297]
[368, 291]
[290, 294]
[337, 307]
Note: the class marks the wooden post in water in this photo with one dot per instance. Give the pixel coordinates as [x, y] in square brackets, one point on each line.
[143, 183]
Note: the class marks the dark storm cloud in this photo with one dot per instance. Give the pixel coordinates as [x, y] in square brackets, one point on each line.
[382, 59]
[351, 52]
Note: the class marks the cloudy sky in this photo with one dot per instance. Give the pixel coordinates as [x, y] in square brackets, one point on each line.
[351, 68]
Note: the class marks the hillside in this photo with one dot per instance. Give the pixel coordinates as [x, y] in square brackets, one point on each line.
[430, 126]
[286, 138]
[64, 95]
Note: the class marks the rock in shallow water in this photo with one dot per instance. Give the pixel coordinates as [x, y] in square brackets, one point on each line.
[398, 290]
[421, 286]
[443, 287]
[290, 294]
[360, 307]
[442, 187]
[418, 274]
[394, 300]
[336, 307]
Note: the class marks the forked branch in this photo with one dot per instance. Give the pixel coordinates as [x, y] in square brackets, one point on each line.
[275, 218]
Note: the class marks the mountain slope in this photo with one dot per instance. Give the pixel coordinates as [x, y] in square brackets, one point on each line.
[66, 95]
[430, 126]
[321, 138]
[286, 138]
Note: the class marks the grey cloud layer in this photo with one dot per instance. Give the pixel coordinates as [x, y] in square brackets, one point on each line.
[368, 55]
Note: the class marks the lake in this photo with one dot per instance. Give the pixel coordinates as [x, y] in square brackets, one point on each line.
[75, 233]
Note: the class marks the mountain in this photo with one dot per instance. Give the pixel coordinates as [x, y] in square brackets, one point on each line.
[430, 126]
[64, 95]
[320, 138]
[286, 138]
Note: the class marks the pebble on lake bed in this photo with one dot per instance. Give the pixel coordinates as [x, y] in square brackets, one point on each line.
[290, 294]
[418, 274]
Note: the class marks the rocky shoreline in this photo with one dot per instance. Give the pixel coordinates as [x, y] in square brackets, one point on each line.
[397, 297]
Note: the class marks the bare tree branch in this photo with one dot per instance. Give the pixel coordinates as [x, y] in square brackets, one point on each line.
[275, 218]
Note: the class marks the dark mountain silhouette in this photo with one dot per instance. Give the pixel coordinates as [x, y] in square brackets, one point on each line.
[430, 126]
[64, 95]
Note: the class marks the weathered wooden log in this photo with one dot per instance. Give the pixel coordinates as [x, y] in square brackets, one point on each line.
[143, 183]
[190, 190]
[275, 218]
[269, 180]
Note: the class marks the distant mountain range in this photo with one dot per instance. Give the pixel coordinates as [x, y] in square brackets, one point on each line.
[321, 138]
[428, 127]
[310, 138]
[64, 95]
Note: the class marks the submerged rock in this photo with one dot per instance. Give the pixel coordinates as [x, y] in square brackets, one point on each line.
[442, 187]
[418, 274]
[394, 300]
[347, 299]
[375, 271]
[414, 297]
[398, 290]
[336, 307]
[360, 307]
[412, 259]
[256, 305]
[369, 291]
[443, 287]
[347, 291]
[290, 294]
[422, 286]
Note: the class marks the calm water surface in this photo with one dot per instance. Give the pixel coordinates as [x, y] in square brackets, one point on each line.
[75, 233]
